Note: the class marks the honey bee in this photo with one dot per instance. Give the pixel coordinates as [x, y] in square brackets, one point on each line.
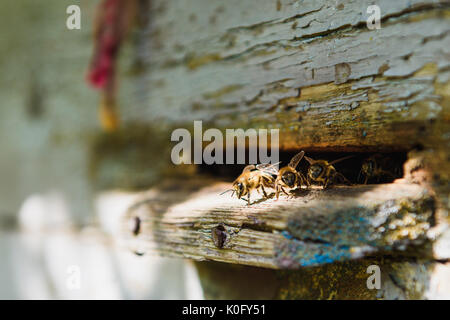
[288, 177]
[252, 178]
[373, 167]
[324, 173]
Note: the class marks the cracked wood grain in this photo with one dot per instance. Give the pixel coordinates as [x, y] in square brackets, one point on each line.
[311, 69]
[313, 228]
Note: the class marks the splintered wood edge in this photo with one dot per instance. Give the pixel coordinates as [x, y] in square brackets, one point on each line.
[313, 227]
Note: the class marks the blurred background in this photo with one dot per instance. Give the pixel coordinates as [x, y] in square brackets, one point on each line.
[51, 206]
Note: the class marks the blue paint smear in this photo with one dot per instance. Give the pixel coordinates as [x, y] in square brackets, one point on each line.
[317, 259]
[287, 235]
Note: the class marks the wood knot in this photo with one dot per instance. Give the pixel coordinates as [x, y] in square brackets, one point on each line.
[219, 236]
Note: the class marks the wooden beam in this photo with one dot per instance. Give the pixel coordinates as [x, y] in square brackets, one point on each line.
[191, 220]
[312, 69]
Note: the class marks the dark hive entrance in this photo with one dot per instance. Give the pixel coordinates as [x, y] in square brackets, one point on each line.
[391, 162]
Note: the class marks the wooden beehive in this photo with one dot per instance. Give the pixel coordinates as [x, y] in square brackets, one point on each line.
[314, 70]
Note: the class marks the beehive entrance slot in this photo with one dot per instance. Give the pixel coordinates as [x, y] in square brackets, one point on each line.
[391, 163]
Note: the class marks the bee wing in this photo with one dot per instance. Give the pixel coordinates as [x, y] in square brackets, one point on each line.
[248, 168]
[268, 167]
[296, 159]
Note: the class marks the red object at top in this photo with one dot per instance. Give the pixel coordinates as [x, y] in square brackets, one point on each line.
[109, 30]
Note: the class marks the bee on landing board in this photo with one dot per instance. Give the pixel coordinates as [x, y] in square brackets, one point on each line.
[252, 178]
[374, 167]
[288, 177]
[323, 172]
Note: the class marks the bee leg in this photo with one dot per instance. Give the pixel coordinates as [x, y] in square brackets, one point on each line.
[248, 199]
[366, 179]
[303, 181]
[344, 179]
[264, 192]
[308, 184]
[284, 191]
[277, 191]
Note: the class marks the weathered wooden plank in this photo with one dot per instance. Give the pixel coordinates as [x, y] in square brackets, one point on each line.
[311, 68]
[313, 228]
